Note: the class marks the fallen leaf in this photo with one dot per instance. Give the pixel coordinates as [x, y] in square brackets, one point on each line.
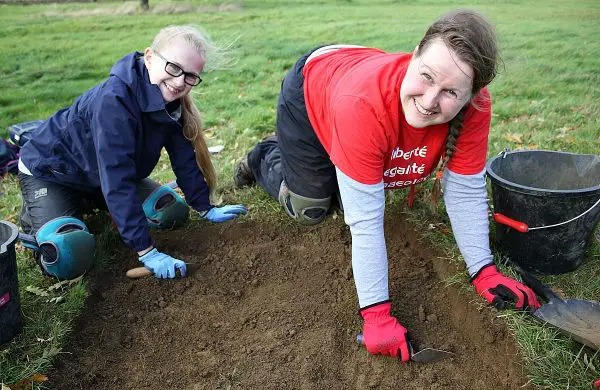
[27, 383]
[36, 291]
[180, 192]
[589, 364]
[563, 132]
[39, 378]
[77, 279]
[209, 133]
[12, 218]
[520, 118]
[58, 285]
[514, 137]
[433, 226]
[216, 149]
[56, 299]
[559, 292]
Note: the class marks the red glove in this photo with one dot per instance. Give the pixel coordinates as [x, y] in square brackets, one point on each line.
[499, 290]
[382, 333]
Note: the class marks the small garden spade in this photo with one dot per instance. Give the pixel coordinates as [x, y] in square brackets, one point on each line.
[425, 355]
[577, 318]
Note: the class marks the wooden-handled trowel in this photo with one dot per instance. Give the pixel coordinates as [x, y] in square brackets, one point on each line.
[140, 272]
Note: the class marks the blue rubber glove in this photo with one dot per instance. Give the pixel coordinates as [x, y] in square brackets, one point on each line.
[163, 266]
[225, 213]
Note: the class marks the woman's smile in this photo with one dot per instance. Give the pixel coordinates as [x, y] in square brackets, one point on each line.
[436, 86]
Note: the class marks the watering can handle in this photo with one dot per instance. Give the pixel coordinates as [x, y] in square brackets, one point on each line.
[504, 220]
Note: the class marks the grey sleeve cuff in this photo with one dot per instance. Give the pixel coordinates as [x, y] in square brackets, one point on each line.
[364, 206]
[465, 197]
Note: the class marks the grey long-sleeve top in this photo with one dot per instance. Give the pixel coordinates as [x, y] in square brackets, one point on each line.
[364, 204]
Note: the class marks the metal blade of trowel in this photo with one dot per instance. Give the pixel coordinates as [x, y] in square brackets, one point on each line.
[577, 318]
[425, 355]
[428, 355]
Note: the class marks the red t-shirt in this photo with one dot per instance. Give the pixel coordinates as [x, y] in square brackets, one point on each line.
[353, 101]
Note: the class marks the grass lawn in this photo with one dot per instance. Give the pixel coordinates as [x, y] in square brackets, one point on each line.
[547, 97]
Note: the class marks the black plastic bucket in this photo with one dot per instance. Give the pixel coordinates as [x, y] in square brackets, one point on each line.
[546, 206]
[11, 321]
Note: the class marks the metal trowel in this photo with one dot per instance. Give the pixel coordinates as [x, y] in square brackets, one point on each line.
[425, 355]
[578, 318]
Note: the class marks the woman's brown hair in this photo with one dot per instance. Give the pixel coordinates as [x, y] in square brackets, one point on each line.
[472, 38]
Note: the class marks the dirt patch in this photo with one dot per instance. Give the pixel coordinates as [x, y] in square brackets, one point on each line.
[268, 307]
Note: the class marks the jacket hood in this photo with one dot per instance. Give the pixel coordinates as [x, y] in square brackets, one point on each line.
[132, 71]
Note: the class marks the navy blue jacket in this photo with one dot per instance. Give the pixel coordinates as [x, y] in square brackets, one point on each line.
[111, 138]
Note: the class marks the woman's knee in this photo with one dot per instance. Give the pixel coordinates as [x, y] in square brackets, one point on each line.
[305, 210]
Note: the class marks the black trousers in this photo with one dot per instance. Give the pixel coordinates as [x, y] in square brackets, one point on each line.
[44, 201]
[295, 154]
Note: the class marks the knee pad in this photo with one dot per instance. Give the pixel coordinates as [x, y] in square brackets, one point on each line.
[165, 208]
[307, 211]
[66, 247]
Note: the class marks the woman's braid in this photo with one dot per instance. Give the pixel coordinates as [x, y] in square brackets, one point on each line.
[454, 127]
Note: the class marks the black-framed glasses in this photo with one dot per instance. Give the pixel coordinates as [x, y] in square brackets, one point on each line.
[175, 70]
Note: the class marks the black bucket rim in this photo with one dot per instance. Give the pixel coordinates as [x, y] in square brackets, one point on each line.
[533, 190]
[13, 236]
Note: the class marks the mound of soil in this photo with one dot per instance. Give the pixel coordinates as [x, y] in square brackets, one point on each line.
[272, 307]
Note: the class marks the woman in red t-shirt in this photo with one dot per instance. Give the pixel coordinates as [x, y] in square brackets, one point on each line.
[355, 121]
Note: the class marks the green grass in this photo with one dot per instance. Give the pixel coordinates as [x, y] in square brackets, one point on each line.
[547, 96]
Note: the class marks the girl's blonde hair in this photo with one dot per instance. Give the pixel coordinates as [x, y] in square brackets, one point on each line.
[215, 58]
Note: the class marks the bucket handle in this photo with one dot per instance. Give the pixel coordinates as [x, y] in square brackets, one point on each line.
[517, 225]
[524, 228]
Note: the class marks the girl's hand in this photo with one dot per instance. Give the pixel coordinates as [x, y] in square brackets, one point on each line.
[225, 213]
[162, 265]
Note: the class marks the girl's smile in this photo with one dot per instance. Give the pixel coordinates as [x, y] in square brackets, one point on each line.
[177, 57]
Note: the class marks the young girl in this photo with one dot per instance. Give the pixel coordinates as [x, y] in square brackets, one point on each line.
[357, 121]
[102, 149]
